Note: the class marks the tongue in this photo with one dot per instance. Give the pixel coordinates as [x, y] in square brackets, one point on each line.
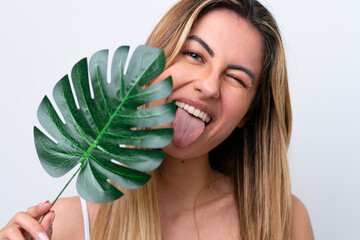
[187, 128]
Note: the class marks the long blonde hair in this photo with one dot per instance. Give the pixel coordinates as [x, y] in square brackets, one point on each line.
[254, 156]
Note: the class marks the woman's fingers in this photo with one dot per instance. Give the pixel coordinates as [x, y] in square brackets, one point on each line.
[39, 210]
[25, 224]
[30, 225]
[48, 222]
[12, 233]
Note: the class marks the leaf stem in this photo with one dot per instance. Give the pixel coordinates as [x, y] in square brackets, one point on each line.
[58, 196]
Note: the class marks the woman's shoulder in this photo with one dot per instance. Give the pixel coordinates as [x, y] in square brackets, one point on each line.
[300, 222]
[69, 223]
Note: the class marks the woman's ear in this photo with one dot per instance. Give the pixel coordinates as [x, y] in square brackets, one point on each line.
[249, 114]
[242, 122]
[245, 119]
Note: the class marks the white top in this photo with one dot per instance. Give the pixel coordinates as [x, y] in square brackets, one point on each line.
[85, 218]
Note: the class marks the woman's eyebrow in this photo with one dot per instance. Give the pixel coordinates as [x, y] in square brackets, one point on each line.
[245, 70]
[211, 53]
[204, 44]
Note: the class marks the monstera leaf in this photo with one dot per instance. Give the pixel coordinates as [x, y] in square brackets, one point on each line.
[103, 131]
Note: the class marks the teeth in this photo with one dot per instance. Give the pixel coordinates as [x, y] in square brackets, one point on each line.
[180, 104]
[186, 107]
[194, 111]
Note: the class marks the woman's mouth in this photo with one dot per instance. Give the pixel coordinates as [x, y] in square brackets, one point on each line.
[189, 124]
[194, 111]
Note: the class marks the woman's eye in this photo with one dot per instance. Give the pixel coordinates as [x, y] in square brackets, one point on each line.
[193, 55]
[241, 82]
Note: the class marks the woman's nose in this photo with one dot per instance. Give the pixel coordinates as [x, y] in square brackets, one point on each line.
[208, 86]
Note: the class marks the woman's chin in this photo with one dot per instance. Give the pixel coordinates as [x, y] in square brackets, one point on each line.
[182, 152]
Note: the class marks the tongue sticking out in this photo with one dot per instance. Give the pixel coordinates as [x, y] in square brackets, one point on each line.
[187, 128]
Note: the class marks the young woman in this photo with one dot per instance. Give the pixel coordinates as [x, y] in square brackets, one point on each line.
[225, 174]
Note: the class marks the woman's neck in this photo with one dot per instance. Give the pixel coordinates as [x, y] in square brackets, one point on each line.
[181, 183]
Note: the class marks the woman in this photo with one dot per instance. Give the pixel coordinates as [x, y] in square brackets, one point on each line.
[225, 174]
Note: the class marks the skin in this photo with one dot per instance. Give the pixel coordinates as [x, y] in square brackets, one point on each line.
[208, 83]
[207, 80]
[203, 79]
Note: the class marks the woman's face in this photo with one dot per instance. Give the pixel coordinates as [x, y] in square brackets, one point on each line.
[216, 72]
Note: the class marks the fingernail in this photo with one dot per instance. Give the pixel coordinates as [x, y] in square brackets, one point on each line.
[43, 203]
[42, 236]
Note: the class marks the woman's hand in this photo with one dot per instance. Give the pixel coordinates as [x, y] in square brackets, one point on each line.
[26, 224]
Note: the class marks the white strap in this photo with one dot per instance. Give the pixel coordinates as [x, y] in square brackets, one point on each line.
[86, 219]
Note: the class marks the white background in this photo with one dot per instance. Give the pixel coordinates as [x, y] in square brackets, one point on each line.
[40, 41]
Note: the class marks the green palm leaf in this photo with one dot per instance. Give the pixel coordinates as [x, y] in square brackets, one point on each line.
[94, 134]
